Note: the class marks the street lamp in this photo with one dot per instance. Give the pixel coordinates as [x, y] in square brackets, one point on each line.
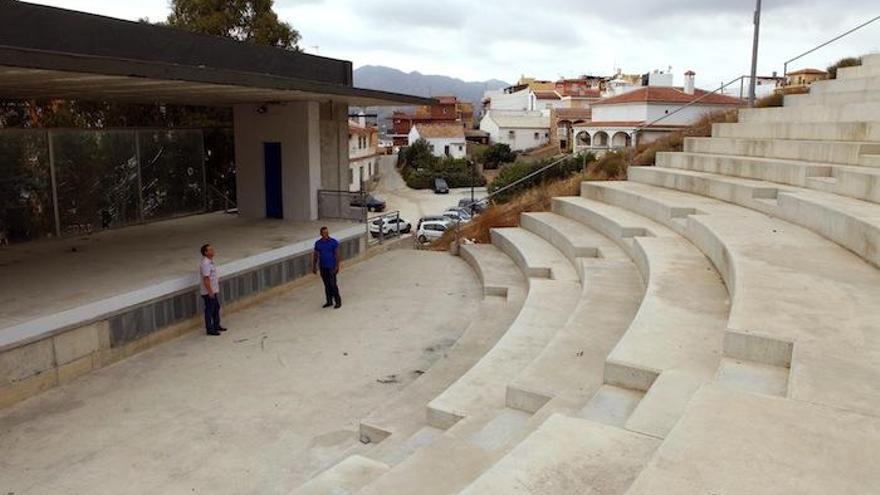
[757, 21]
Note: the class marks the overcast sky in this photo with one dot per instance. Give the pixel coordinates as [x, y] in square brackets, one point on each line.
[484, 39]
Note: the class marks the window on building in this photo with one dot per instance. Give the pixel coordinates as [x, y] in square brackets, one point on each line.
[537, 135]
[511, 134]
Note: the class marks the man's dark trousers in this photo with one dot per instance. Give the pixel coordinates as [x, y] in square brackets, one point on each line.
[331, 290]
[212, 313]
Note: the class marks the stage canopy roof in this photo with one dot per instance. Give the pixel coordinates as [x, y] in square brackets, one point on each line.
[47, 52]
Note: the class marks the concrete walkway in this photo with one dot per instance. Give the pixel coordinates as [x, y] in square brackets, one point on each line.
[258, 410]
[415, 203]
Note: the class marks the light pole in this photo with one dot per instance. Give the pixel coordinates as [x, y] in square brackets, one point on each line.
[752, 81]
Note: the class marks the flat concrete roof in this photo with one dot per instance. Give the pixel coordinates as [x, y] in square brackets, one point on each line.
[46, 52]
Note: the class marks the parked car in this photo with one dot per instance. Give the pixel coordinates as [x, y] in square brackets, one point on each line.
[431, 230]
[458, 215]
[479, 206]
[440, 186]
[389, 226]
[433, 218]
[368, 201]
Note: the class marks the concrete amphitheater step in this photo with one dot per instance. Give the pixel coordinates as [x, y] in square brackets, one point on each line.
[736, 442]
[840, 98]
[818, 131]
[799, 301]
[858, 72]
[852, 112]
[568, 456]
[570, 367]
[870, 83]
[852, 181]
[344, 478]
[534, 256]
[840, 152]
[669, 348]
[852, 223]
[545, 311]
[505, 289]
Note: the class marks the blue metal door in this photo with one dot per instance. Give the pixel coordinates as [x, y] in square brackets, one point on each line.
[272, 159]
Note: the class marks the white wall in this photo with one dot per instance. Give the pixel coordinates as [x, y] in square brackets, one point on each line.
[511, 101]
[627, 112]
[296, 127]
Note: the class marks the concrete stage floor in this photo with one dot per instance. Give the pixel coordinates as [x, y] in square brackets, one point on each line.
[257, 410]
[41, 278]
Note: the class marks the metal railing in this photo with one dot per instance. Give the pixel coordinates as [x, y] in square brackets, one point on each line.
[826, 43]
[229, 204]
[345, 205]
[381, 233]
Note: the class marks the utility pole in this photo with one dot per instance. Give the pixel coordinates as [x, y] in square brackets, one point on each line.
[754, 74]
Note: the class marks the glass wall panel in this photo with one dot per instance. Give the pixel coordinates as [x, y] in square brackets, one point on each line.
[26, 211]
[172, 172]
[97, 179]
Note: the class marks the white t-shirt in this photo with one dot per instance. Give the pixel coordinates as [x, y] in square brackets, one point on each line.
[207, 269]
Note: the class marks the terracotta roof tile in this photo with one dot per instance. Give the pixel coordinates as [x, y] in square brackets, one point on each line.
[429, 131]
[665, 94]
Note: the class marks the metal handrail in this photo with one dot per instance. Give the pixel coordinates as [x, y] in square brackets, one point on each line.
[822, 45]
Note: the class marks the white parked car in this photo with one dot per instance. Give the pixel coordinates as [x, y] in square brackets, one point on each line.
[389, 226]
[431, 230]
[457, 215]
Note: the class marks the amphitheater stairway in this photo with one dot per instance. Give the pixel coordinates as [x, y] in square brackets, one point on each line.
[711, 325]
[611, 369]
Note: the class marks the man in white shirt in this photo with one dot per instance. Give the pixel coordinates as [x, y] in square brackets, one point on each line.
[210, 290]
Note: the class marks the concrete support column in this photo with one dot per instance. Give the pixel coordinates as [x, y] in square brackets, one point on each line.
[334, 146]
[296, 127]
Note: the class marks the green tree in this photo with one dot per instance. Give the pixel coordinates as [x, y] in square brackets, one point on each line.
[496, 155]
[253, 21]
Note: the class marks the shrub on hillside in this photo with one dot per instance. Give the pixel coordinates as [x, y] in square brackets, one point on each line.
[495, 155]
[520, 169]
[844, 62]
[458, 172]
[646, 153]
[774, 100]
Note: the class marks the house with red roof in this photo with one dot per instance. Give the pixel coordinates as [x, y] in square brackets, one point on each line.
[645, 114]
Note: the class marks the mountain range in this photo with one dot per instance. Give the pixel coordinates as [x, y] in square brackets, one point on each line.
[418, 84]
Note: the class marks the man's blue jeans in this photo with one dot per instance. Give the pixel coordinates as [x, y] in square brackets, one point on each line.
[212, 313]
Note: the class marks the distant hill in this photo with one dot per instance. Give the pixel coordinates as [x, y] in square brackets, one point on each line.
[416, 83]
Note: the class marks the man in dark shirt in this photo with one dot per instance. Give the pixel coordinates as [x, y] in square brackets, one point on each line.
[326, 256]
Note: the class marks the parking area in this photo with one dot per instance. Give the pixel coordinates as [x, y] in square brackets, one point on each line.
[414, 204]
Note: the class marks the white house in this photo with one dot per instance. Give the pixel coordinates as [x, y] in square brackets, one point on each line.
[445, 139]
[363, 152]
[519, 130]
[620, 121]
[507, 99]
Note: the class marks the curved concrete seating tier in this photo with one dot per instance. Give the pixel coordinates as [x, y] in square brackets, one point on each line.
[505, 290]
[546, 309]
[400, 426]
[346, 477]
[799, 300]
[734, 442]
[670, 348]
[840, 98]
[851, 223]
[853, 181]
[569, 456]
[852, 112]
[817, 131]
[570, 368]
[842, 152]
